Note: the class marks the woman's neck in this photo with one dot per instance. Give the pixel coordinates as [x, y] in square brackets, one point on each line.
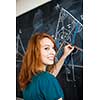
[44, 67]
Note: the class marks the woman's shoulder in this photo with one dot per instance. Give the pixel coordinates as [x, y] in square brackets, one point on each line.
[44, 77]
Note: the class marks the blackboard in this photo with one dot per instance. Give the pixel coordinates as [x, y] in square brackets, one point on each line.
[63, 20]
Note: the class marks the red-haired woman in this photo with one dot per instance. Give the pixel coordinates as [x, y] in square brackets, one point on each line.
[37, 78]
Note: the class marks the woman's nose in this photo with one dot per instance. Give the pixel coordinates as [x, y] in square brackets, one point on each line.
[53, 52]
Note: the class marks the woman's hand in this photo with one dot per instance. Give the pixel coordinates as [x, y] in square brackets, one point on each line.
[67, 50]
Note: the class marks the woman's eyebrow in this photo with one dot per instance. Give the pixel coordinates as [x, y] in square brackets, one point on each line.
[46, 45]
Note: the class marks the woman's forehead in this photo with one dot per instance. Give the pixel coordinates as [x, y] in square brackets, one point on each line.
[46, 42]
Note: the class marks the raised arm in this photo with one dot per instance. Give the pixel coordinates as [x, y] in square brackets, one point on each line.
[67, 50]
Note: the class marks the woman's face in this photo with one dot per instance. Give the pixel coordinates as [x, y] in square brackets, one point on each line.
[47, 51]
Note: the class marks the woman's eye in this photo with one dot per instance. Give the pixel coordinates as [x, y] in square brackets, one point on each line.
[47, 48]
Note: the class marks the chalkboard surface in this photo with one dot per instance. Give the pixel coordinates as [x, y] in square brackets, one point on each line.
[63, 20]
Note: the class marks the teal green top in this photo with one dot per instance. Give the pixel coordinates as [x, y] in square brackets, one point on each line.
[44, 86]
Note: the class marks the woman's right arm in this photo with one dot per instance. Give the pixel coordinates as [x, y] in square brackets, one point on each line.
[67, 50]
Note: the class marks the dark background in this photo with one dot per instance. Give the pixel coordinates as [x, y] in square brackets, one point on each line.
[45, 19]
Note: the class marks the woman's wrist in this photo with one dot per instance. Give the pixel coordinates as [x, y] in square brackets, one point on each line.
[64, 56]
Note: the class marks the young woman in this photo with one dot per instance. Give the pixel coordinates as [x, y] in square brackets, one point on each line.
[37, 75]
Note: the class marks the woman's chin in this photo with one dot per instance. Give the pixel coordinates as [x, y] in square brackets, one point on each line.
[51, 63]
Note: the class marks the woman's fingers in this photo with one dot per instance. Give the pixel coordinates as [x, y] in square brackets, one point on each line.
[68, 49]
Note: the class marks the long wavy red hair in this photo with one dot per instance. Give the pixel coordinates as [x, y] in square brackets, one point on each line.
[31, 64]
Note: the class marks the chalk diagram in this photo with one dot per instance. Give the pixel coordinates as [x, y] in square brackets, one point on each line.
[69, 30]
[20, 49]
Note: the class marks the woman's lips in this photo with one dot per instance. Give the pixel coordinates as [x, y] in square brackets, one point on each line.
[51, 57]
